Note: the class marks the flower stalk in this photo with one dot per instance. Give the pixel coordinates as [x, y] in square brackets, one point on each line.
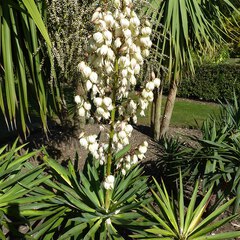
[111, 135]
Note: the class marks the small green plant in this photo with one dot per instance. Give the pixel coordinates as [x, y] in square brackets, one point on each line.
[17, 180]
[180, 221]
[77, 207]
[216, 159]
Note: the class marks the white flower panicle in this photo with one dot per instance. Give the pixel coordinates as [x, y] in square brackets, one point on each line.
[114, 58]
[120, 38]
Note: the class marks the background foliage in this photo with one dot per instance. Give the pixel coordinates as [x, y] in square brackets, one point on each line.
[211, 82]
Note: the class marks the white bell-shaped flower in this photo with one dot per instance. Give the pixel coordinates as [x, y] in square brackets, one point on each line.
[98, 37]
[157, 82]
[150, 86]
[81, 112]
[93, 77]
[77, 99]
[83, 142]
[89, 85]
[87, 106]
[86, 71]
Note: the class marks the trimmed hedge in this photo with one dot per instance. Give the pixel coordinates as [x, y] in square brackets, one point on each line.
[211, 82]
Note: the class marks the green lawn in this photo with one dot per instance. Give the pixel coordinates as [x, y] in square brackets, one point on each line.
[186, 113]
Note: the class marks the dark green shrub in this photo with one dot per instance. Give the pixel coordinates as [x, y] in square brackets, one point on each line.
[211, 82]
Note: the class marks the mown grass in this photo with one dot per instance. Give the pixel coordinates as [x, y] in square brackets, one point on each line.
[186, 113]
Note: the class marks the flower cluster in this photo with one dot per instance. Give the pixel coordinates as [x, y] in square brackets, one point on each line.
[109, 182]
[129, 160]
[147, 94]
[114, 57]
[123, 131]
[104, 106]
[115, 54]
[84, 107]
[98, 150]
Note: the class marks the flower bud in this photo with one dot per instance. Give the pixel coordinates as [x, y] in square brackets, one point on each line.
[134, 118]
[146, 31]
[117, 43]
[98, 37]
[147, 23]
[93, 147]
[127, 2]
[109, 19]
[124, 61]
[87, 71]
[122, 134]
[124, 73]
[138, 57]
[123, 172]
[107, 35]
[157, 82]
[137, 69]
[150, 86]
[87, 106]
[124, 23]
[83, 142]
[100, 111]
[93, 77]
[135, 21]
[77, 99]
[103, 50]
[95, 16]
[146, 42]
[127, 33]
[97, 101]
[88, 85]
[133, 80]
[134, 159]
[142, 113]
[106, 115]
[81, 66]
[142, 149]
[109, 182]
[92, 138]
[150, 96]
[117, 3]
[107, 101]
[110, 54]
[128, 158]
[81, 112]
[145, 53]
[128, 129]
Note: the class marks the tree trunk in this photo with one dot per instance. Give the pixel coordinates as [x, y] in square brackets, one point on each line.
[157, 113]
[168, 108]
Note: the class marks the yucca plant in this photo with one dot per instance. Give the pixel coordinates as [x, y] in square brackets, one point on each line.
[216, 160]
[174, 219]
[17, 180]
[77, 208]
